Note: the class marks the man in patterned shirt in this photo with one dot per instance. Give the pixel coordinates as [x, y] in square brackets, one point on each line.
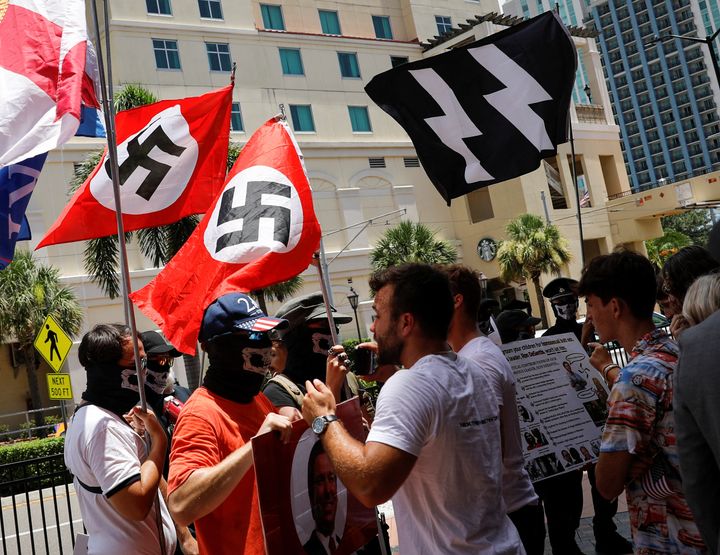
[638, 451]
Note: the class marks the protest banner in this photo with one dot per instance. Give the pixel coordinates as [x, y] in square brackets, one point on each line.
[304, 507]
[562, 404]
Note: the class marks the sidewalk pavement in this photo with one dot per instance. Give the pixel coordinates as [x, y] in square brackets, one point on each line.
[585, 537]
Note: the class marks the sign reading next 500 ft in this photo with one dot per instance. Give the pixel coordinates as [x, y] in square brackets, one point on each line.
[59, 386]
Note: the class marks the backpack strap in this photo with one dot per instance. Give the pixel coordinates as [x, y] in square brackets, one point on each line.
[289, 386]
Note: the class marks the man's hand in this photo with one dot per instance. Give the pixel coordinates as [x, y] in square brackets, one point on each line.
[318, 401]
[291, 413]
[147, 421]
[336, 369]
[188, 544]
[600, 356]
[278, 423]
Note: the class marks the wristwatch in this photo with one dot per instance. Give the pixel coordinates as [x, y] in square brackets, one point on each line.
[320, 424]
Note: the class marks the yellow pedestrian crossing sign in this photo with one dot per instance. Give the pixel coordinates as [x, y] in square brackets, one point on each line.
[53, 343]
[59, 386]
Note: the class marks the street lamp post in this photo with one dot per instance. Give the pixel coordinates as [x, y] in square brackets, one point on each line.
[353, 297]
[709, 41]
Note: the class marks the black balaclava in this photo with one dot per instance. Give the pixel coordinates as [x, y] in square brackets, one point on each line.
[238, 366]
[307, 353]
[112, 387]
[566, 308]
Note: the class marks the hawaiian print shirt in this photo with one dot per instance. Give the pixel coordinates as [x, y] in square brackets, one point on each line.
[641, 422]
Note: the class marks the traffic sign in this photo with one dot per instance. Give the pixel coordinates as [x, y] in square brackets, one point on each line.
[53, 343]
[59, 386]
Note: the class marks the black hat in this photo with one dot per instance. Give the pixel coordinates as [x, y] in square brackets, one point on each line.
[513, 319]
[302, 310]
[155, 344]
[516, 304]
[560, 287]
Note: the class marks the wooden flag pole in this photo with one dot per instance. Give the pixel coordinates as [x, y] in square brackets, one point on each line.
[106, 88]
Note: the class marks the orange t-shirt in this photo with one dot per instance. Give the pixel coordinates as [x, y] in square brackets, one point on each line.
[211, 427]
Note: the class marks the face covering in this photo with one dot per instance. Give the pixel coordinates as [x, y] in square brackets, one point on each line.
[307, 353]
[156, 381]
[566, 311]
[525, 335]
[237, 368]
[112, 387]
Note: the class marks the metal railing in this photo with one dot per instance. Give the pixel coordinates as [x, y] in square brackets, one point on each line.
[28, 429]
[40, 513]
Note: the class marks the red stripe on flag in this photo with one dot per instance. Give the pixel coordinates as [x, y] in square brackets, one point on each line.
[31, 47]
[70, 85]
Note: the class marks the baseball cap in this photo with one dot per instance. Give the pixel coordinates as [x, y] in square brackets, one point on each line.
[235, 312]
[304, 309]
[155, 344]
[560, 287]
[512, 319]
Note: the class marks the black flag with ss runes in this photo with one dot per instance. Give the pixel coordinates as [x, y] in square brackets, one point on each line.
[488, 111]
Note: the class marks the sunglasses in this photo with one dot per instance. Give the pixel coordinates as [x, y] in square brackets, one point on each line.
[164, 360]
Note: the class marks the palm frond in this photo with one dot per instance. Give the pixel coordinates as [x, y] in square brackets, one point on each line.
[151, 241]
[411, 242]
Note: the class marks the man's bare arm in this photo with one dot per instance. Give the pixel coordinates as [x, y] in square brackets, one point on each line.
[206, 488]
[612, 472]
[373, 472]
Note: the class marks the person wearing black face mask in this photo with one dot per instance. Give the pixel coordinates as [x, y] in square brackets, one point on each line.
[212, 480]
[515, 325]
[115, 480]
[562, 495]
[308, 341]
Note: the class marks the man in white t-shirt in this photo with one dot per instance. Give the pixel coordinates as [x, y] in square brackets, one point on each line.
[521, 501]
[435, 444]
[115, 481]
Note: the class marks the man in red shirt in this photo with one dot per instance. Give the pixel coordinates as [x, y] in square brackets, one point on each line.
[212, 479]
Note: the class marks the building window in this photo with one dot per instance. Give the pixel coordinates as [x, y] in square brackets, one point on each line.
[302, 118]
[359, 119]
[381, 23]
[160, 7]
[272, 17]
[329, 22]
[349, 64]
[218, 56]
[210, 9]
[398, 60]
[166, 54]
[444, 24]
[291, 61]
[236, 121]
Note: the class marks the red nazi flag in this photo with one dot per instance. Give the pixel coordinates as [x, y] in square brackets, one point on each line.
[261, 230]
[172, 157]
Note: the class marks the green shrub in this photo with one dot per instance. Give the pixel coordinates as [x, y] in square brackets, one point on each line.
[33, 473]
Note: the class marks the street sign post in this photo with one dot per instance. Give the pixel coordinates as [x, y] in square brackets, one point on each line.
[59, 386]
[53, 343]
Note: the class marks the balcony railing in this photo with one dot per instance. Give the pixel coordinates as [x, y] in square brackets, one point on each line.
[590, 113]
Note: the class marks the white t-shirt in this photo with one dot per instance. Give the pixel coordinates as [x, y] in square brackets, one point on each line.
[103, 451]
[518, 490]
[442, 411]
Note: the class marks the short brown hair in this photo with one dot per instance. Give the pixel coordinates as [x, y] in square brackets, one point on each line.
[466, 282]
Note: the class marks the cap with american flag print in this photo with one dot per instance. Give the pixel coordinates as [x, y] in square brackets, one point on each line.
[236, 312]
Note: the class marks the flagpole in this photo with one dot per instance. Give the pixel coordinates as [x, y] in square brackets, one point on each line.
[326, 296]
[109, 116]
[577, 193]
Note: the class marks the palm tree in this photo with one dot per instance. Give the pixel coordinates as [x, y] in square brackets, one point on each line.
[279, 292]
[662, 248]
[29, 293]
[532, 248]
[411, 242]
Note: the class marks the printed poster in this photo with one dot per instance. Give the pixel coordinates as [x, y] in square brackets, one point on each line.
[304, 506]
[562, 404]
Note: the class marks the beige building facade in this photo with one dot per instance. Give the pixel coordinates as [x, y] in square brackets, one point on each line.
[299, 57]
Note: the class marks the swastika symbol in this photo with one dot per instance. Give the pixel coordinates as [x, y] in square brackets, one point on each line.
[251, 213]
[138, 157]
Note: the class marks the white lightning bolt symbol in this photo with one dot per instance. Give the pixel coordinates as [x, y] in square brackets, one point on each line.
[513, 102]
[454, 125]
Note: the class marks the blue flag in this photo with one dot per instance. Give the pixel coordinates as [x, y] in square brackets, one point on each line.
[91, 124]
[17, 182]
